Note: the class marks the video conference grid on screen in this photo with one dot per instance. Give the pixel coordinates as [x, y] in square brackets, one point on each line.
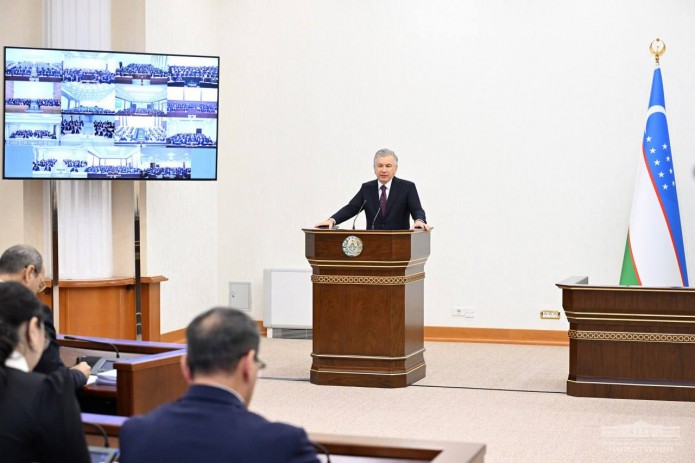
[77, 114]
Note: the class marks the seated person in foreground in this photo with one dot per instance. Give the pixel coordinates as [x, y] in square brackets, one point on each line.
[39, 415]
[211, 422]
[23, 263]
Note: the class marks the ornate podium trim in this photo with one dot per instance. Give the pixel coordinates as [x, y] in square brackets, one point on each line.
[366, 280]
[621, 316]
[368, 357]
[370, 373]
[361, 263]
[608, 383]
[631, 337]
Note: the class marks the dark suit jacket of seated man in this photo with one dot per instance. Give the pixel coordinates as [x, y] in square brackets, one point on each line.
[211, 423]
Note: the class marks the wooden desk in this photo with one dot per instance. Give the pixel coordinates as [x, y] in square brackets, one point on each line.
[149, 374]
[347, 449]
[630, 342]
[106, 307]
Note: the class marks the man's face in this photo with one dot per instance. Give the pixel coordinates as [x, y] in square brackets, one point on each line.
[385, 168]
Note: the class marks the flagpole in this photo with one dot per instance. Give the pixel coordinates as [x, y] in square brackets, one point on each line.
[654, 250]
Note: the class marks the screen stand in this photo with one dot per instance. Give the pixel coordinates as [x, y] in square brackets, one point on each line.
[138, 279]
[53, 198]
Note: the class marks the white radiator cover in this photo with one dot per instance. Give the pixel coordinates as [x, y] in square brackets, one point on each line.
[288, 299]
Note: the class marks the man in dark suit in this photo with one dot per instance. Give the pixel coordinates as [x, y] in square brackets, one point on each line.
[211, 423]
[388, 202]
[24, 264]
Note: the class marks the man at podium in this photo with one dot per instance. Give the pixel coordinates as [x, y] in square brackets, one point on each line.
[388, 202]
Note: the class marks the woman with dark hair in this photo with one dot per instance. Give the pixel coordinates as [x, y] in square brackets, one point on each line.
[39, 415]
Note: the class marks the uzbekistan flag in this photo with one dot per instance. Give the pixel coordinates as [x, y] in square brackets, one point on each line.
[654, 254]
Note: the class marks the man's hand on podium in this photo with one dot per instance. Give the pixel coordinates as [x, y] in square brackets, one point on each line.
[328, 223]
[420, 225]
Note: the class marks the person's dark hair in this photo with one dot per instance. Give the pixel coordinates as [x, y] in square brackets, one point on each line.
[17, 305]
[218, 338]
[18, 257]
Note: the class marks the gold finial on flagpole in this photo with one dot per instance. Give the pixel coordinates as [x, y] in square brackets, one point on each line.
[657, 48]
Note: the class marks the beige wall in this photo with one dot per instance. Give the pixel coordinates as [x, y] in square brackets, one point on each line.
[182, 218]
[128, 34]
[128, 25]
[521, 125]
[20, 25]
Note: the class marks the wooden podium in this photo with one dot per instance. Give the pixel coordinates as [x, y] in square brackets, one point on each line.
[368, 298]
[630, 342]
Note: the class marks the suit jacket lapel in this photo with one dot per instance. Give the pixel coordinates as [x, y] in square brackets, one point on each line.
[393, 195]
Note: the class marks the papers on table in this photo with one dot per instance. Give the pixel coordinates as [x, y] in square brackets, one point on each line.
[107, 378]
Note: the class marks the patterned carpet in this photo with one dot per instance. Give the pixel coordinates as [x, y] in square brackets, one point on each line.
[449, 364]
[480, 393]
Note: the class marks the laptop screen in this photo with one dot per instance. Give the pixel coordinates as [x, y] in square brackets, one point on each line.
[102, 454]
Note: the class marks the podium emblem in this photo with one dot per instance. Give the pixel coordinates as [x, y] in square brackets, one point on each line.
[352, 246]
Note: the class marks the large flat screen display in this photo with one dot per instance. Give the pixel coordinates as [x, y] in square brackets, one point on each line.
[79, 114]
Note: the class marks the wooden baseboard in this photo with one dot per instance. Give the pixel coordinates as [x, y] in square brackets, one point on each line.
[450, 334]
[496, 335]
[180, 335]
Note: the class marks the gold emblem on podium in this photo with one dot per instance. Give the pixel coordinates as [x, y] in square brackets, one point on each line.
[352, 246]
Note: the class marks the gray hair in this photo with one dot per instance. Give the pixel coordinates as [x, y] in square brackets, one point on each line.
[19, 257]
[382, 153]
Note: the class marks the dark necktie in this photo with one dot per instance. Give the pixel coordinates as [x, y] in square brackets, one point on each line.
[382, 201]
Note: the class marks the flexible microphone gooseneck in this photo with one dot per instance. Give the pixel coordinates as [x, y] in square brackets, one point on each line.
[112, 346]
[377, 215]
[323, 450]
[358, 213]
[101, 430]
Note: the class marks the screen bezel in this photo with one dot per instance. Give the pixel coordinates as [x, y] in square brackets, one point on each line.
[113, 54]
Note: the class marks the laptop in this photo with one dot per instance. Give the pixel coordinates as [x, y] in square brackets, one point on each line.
[102, 454]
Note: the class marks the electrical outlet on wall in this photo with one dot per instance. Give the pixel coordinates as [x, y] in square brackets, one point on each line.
[550, 314]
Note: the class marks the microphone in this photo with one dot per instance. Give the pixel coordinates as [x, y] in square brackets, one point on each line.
[101, 430]
[322, 449]
[358, 213]
[375, 216]
[112, 346]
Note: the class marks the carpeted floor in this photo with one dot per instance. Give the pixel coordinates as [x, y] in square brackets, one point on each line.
[509, 397]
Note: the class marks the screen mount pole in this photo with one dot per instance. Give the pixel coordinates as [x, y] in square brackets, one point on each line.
[138, 277]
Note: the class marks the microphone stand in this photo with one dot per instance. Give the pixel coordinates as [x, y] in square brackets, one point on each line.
[358, 213]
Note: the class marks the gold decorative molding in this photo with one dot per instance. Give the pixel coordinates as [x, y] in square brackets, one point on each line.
[338, 231]
[367, 263]
[656, 314]
[572, 319]
[631, 337]
[324, 370]
[638, 289]
[608, 383]
[368, 357]
[366, 280]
